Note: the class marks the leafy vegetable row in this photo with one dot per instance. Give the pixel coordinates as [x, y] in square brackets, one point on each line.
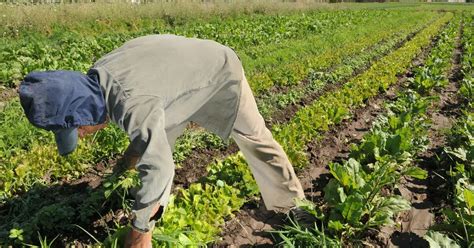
[334, 107]
[456, 224]
[359, 58]
[456, 228]
[295, 59]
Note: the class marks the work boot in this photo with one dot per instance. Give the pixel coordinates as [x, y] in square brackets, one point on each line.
[302, 217]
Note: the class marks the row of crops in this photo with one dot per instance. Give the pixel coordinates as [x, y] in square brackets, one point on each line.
[457, 226]
[361, 195]
[287, 58]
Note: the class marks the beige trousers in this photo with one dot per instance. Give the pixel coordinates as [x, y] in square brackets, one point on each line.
[268, 162]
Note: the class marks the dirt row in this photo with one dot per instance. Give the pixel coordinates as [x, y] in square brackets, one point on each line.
[428, 195]
[5, 95]
[250, 226]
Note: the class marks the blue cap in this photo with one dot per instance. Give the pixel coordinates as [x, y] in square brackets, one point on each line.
[61, 101]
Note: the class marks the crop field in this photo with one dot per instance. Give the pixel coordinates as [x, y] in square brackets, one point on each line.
[373, 104]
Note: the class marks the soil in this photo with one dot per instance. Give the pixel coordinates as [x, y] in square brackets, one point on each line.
[94, 177]
[428, 195]
[5, 95]
[194, 167]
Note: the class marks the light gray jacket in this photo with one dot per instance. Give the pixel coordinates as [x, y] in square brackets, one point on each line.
[155, 84]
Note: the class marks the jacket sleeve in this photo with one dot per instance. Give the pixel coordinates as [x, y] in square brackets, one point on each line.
[144, 122]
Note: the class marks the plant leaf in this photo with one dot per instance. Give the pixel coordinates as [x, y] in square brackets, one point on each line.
[348, 174]
[469, 198]
[352, 208]
[439, 240]
[416, 172]
[334, 193]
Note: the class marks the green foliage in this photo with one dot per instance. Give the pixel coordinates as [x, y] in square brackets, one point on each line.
[70, 50]
[63, 209]
[44, 242]
[195, 214]
[401, 131]
[16, 234]
[108, 143]
[459, 220]
[358, 55]
[439, 240]
[42, 164]
[348, 175]
[467, 89]
[354, 197]
[235, 172]
[467, 63]
[193, 139]
[296, 235]
[17, 133]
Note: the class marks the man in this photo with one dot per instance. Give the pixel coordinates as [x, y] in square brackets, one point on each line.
[152, 87]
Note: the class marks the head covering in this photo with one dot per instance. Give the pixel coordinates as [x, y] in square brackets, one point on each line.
[61, 101]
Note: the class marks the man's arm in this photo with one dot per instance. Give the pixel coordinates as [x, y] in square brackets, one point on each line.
[145, 124]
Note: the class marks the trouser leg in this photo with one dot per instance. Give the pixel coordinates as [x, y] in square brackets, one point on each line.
[268, 162]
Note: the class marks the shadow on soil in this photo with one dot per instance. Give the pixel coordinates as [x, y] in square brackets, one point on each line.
[408, 239]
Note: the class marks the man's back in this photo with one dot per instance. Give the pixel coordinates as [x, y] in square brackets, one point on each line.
[169, 66]
[190, 79]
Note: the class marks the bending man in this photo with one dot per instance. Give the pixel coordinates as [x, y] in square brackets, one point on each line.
[151, 87]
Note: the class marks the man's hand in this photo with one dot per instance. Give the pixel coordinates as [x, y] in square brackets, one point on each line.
[127, 162]
[136, 239]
